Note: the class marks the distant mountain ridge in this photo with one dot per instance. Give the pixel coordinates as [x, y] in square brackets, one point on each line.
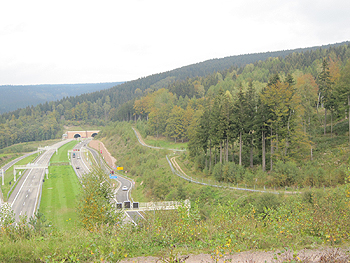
[15, 97]
[131, 89]
[20, 96]
[219, 64]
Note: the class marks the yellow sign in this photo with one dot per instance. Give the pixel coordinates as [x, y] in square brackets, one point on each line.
[120, 168]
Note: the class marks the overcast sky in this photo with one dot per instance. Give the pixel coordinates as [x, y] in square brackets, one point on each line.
[47, 42]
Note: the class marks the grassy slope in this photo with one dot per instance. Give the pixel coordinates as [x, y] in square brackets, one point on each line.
[151, 171]
[27, 146]
[162, 142]
[7, 157]
[60, 192]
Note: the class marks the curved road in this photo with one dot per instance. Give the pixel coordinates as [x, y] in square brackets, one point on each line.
[121, 195]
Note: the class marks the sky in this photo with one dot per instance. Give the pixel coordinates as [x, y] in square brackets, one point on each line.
[56, 42]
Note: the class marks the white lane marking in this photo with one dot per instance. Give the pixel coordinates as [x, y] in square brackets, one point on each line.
[37, 194]
[20, 188]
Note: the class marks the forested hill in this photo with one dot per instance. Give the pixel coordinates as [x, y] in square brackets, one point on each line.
[220, 64]
[46, 120]
[20, 96]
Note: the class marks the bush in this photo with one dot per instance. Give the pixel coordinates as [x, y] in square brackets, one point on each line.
[285, 174]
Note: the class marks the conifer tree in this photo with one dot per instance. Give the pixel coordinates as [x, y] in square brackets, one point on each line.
[239, 119]
[251, 121]
[325, 94]
[343, 89]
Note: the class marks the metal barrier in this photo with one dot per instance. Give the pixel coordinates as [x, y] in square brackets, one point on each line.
[151, 206]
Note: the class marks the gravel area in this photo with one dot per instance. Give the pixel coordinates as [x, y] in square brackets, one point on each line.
[339, 255]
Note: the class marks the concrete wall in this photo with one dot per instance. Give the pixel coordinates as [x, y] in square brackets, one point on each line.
[83, 134]
[97, 145]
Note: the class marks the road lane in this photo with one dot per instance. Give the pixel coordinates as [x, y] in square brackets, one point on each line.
[24, 198]
[120, 195]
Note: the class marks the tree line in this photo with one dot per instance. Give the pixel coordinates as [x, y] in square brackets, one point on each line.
[46, 120]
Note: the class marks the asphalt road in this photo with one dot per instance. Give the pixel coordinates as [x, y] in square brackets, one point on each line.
[25, 197]
[8, 165]
[80, 164]
[120, 195]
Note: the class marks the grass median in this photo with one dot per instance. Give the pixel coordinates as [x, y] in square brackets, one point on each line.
[60, 191]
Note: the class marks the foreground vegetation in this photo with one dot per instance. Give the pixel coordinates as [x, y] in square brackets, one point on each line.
[313, 220]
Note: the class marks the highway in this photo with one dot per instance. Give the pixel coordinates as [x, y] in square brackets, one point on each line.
[25, 197]
[9, 164]
[79, 164]
[120, 194]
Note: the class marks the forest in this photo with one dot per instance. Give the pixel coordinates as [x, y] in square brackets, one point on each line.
[268, 115]
[188, 84]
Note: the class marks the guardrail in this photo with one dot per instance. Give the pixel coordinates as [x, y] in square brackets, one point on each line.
[152, 206]
[154, 147]
[192, 180]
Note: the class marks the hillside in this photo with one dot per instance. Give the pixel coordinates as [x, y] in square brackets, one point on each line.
[46, 120]
[21, 96]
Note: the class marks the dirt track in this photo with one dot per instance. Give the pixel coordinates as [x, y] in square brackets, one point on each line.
[315, 255]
